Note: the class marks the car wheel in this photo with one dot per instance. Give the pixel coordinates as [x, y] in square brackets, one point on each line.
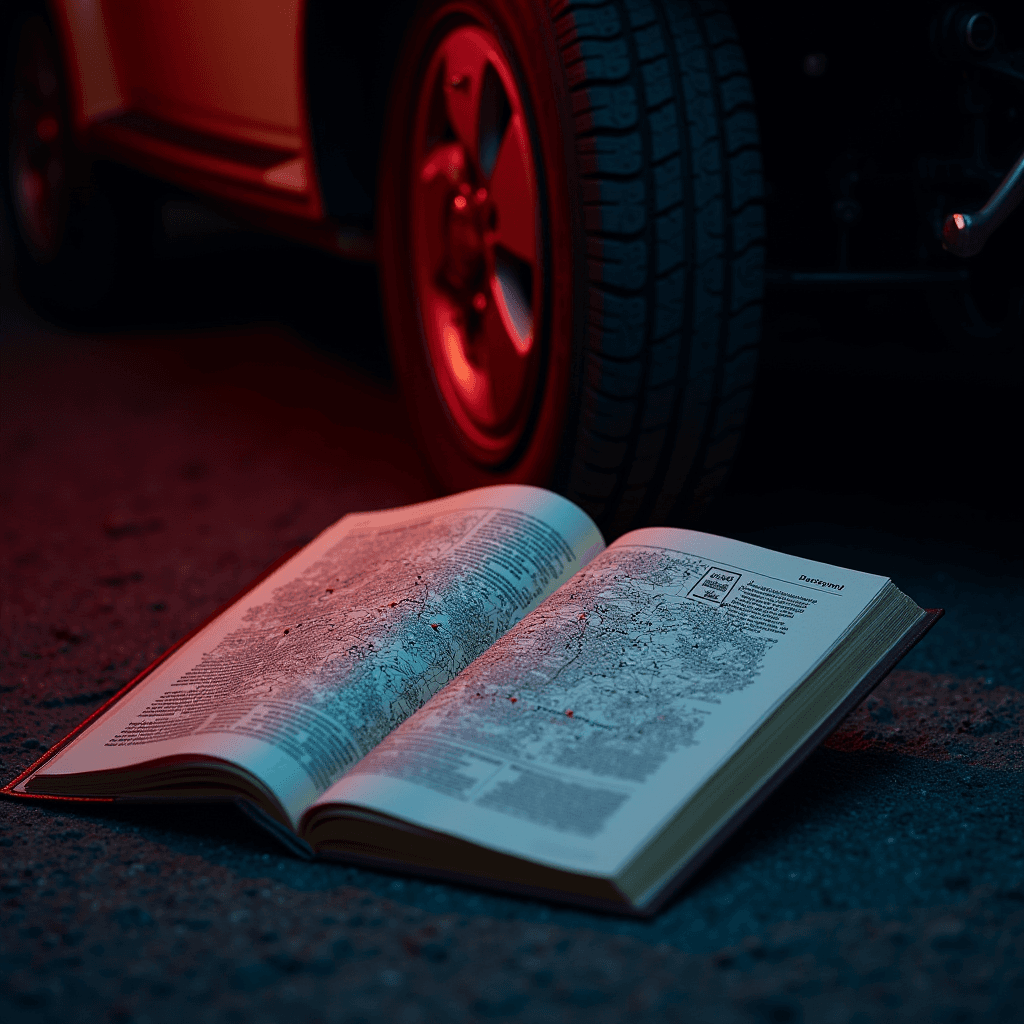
[571, 244]
[66, 236]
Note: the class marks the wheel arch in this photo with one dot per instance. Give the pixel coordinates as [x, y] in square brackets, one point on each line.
[90, 67]
[350, 53]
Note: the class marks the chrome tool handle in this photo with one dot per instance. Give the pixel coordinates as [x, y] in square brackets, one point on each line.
[965, 233]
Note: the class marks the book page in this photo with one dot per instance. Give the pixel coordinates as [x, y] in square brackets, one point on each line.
[576, 736]
[309, 671]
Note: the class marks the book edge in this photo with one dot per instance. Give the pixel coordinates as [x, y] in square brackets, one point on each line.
[9, 789]
[292, 840]
[828, 725]
[400, 869]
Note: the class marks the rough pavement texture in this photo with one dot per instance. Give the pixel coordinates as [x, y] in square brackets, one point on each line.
[145, 479]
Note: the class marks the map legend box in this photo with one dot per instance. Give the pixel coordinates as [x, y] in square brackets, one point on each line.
[714, 586]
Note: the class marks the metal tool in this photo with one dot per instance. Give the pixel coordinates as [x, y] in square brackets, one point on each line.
[965, 233]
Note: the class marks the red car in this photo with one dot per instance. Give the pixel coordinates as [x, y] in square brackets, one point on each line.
[564, 198]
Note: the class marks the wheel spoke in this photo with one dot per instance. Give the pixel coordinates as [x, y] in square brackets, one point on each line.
[31, 187]
[470, 378]
[440, 173]
[503, 362]
[514, 193]
[466, 58]
[513, 286]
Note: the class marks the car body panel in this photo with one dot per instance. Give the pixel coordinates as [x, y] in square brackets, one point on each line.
[93, 80]
[206, 94]
[223, 67]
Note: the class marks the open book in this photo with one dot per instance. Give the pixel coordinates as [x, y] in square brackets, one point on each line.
[477, 688]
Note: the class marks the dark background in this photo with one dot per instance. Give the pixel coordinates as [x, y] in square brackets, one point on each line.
[239, 398]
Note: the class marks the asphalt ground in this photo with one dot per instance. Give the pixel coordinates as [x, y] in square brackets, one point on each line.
[239, 402]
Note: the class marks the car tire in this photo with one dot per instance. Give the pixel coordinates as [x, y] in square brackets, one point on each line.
[584, 312]
[70, 222]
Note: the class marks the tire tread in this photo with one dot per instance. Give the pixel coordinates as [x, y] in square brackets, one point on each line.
[667, 142]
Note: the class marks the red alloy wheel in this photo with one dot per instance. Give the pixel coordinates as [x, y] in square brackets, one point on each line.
[473, 221]
[38, 143]
[474, 232]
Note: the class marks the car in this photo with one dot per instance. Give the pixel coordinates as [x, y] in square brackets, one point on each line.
[565, 200]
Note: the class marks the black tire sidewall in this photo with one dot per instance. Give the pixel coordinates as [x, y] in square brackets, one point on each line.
[527, 37]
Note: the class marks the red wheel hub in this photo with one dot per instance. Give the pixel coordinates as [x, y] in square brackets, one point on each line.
[38, 151]
[474, 231]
